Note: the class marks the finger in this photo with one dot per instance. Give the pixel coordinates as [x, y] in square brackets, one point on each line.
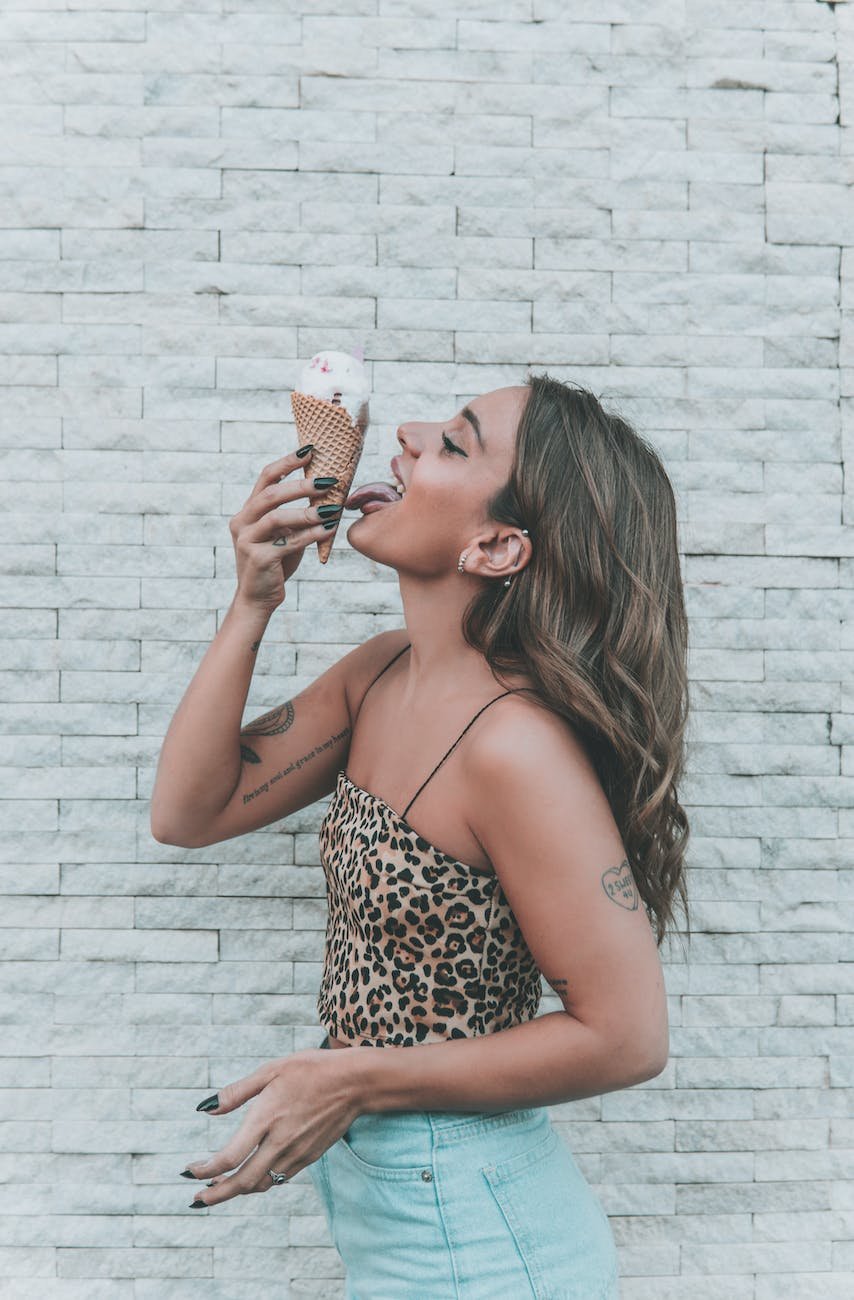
[230, 1157]
[276, 494]
[232, 1095]
[273, 472]
[271, 524]
[285, 532]
[253, 1175]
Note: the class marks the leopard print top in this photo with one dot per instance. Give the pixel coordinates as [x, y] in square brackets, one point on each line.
[419, 946]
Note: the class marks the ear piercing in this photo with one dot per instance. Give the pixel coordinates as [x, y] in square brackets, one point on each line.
[462, 562]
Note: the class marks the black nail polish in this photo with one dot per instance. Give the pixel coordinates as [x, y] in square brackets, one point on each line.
[185, 1173]
[198, 1205]
[329, 481]
[326, 511]
[331, 523]
[303, 451]
[209, 1103]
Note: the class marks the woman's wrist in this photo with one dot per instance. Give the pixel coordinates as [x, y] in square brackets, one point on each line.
[362, 1076]
[252, 617]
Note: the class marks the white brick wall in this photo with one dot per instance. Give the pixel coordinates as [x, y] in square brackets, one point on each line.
[653, 199]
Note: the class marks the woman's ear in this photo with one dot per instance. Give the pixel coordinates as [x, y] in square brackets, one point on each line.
[497, 554]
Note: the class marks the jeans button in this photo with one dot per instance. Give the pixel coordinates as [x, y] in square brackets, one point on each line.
[426, 1175]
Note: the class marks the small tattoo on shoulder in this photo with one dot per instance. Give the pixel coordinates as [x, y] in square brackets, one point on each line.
[619, 885]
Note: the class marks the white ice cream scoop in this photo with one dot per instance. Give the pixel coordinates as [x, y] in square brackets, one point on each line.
[339, 378]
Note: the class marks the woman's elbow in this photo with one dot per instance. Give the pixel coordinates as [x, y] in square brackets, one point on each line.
[167, 835]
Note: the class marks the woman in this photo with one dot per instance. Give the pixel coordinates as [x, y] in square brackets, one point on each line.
[536, 548]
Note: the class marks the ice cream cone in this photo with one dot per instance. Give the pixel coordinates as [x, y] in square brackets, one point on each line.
[338, 445]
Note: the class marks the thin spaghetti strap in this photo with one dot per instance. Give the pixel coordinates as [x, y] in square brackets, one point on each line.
[380, 673]
[388, 665]
[453, 747]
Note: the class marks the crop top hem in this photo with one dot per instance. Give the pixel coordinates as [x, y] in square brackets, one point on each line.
[333, 1029]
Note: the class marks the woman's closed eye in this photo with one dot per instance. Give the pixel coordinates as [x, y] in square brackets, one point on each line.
[451, 446]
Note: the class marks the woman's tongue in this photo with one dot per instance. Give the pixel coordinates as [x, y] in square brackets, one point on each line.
[371, 492]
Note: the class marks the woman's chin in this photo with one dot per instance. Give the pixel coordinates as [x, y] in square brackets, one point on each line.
[367, 540]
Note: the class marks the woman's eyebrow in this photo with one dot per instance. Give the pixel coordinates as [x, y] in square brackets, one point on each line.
[469, 415]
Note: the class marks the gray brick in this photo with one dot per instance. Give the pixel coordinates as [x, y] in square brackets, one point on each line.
[654, 205]
[151, 945]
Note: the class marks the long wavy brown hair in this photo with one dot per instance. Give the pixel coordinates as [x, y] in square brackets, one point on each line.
[597, 617]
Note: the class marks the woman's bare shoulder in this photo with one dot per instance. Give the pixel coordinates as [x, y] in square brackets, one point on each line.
[525, 721]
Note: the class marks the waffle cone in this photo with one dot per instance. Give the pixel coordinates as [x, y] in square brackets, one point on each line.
[338, 445]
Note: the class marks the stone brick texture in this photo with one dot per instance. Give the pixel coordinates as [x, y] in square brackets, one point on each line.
[653, 200]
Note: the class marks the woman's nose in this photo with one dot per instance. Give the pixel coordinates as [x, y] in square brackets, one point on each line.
[412, 434]
[406, 438]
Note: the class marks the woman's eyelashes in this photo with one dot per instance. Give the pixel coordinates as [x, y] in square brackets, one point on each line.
[451, 446]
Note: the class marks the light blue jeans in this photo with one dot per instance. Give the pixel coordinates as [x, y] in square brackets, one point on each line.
[462, 1205]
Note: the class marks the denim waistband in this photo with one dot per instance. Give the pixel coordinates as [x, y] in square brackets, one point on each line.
[451, 1125]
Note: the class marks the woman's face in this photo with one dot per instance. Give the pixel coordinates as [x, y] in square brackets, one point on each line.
[451, 468]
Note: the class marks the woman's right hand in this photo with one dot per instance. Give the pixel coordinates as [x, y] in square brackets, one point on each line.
[263, 568]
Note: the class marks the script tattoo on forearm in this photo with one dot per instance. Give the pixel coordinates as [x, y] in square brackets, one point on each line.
[619, 885]
[560, 987]
[297, 763]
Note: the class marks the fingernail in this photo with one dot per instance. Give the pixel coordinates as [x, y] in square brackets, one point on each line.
[325, 482]
[185, 1173]
[198, 1205]
[326, 511]
[209, 1103]
[331, 523]
[303, 451]
[210, 1184]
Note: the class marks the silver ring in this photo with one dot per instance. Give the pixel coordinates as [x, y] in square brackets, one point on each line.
[278, 1179]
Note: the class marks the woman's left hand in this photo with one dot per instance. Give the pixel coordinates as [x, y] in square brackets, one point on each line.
[302, 1104]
